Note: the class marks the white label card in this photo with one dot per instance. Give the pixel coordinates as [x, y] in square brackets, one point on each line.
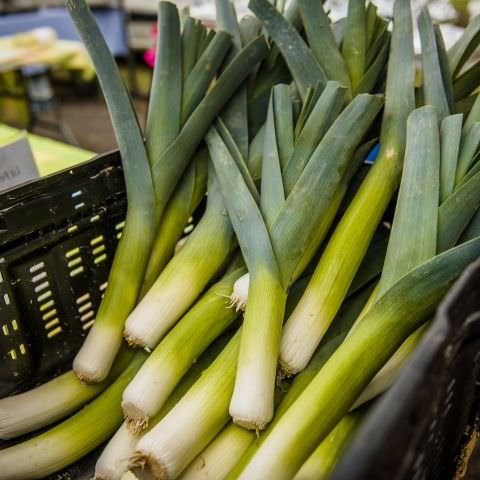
[16, 164]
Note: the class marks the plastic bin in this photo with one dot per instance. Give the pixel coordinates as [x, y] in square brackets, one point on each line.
[57, 240]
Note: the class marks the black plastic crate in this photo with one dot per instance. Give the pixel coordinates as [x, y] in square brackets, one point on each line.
[57, 240]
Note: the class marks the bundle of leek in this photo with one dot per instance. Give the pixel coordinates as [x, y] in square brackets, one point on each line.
[278, 167]
[156, 450]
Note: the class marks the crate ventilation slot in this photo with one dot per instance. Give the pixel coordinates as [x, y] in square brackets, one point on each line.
[46, 303]
[119, 229]
[85, 310]
[8, 329]
[74, 262]
[98, 249]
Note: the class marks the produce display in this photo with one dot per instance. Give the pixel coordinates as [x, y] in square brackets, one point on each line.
[254, 345]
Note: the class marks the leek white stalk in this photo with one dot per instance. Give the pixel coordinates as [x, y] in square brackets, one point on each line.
[104, 339]
[52, 401]
[194, 421]
[240, 292]
[209, 317]
[347, 246]
[113, 461]
[221, 455]
[184, 277]
[67, 442]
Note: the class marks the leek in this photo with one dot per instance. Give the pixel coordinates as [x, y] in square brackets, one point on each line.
[311, 184]
[330, 343]
[348, 244]
[252, 401]
[96, 356]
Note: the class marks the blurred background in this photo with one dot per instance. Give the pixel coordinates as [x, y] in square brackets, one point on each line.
[48, 87]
